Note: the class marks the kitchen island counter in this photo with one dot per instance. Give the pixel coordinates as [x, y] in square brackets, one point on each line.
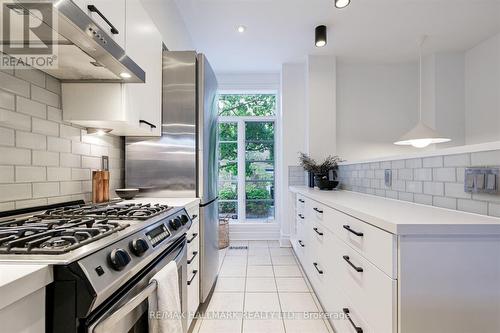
[400, 217]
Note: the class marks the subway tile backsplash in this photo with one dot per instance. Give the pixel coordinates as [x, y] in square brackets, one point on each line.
[44, 160]
[436, 181]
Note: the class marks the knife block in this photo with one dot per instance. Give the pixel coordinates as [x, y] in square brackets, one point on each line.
[100, 186]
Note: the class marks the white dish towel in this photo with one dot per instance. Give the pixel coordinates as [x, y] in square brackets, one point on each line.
[167, 302]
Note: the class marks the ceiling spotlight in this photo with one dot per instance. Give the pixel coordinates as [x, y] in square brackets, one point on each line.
[241, 29]
[320, 35]
[342, 3]
[125, 75]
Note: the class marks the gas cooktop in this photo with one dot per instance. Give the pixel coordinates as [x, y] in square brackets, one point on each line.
[63, 229]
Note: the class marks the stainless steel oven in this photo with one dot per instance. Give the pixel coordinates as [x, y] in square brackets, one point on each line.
[127, 312]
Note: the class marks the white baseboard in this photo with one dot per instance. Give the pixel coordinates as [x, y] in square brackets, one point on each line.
[254, 231]
[285, 241]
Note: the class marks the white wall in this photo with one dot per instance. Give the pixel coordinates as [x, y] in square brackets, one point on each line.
[450, 98]
[482, 92]
[293, 120]
[168, 19]
[443, 101]
[248, 81]
[321, 106]
[376, 104]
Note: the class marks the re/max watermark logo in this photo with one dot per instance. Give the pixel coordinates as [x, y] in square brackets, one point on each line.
[28, 34]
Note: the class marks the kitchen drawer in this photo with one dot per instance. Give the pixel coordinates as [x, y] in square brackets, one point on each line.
[193, 258]
[193, 237]
[346, 317]
[193, 211]
[376, 245]
[193, 289]
[300, 201]
[315, 211]
[372, 292]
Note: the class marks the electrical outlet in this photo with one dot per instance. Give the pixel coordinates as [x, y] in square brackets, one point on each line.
[481, 180]
[388, 177]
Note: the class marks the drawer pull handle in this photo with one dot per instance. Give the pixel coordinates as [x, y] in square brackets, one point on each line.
[320, 271]
[357, 328]
[142, 121]
[192, 238]
[301, 216]
[348, 228]
[356, 268]
[318, 232]
[301, 244]
[318, 210]
[301, 201]
[192, 277]
[195, 253]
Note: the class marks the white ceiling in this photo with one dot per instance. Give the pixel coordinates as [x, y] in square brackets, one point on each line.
[280, 31]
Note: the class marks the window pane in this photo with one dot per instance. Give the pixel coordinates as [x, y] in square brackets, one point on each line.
[259, 190]
[247, 105]
[259, 170]
[228, 132]
[228, 209]
[228, 191]
[228, 170]
[260, 209]
[259, 131]
[228, 151]
[259, 151]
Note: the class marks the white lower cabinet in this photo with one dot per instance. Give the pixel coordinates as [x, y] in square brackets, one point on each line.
[193, 265]
[358, 295]
[370, 280]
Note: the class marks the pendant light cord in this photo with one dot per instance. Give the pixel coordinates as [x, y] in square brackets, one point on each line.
[421, 44]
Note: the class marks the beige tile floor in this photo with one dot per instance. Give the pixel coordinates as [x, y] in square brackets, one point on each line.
[261, 290]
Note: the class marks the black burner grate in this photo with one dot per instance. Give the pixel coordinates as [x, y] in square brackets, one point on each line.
[42, 235]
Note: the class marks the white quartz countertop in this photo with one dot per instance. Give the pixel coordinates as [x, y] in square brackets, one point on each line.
[175, 202]
[20, 280]
[403, 218]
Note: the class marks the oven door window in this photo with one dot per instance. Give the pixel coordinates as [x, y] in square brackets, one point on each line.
[134, 321]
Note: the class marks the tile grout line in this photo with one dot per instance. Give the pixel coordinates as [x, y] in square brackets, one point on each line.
[245, 288]
[277, 291]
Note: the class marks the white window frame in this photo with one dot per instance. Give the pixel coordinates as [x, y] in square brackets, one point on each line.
[241, 208]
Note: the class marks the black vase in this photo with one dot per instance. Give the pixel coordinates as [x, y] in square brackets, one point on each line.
[311, 179]
[323, 183]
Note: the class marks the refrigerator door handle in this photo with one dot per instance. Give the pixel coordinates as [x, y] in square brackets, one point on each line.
[209, 202]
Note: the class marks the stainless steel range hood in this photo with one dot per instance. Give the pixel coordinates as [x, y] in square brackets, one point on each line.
[85, 53]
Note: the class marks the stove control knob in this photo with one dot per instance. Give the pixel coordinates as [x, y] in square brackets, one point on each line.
[139, 246]
[184, 219]
[175, 223]
[118, 259]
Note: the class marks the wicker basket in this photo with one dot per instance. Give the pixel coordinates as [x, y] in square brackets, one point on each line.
[223, 232]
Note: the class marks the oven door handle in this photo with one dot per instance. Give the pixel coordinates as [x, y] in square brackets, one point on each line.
[110, 322]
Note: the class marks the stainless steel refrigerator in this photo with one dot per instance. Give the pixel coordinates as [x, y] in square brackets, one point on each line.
[183, 161]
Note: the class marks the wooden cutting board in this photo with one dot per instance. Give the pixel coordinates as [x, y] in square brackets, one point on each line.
[100, 186]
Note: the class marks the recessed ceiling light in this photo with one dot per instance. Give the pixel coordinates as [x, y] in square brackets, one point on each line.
[125, 75]
[320, 35]
[241, 29]
[342, 3]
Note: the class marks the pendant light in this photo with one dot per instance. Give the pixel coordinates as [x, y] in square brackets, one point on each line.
[421, 135]
[320, 36]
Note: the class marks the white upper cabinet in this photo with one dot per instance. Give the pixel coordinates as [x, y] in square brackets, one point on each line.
[109, 15]
[129, 109]
[144, 46]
